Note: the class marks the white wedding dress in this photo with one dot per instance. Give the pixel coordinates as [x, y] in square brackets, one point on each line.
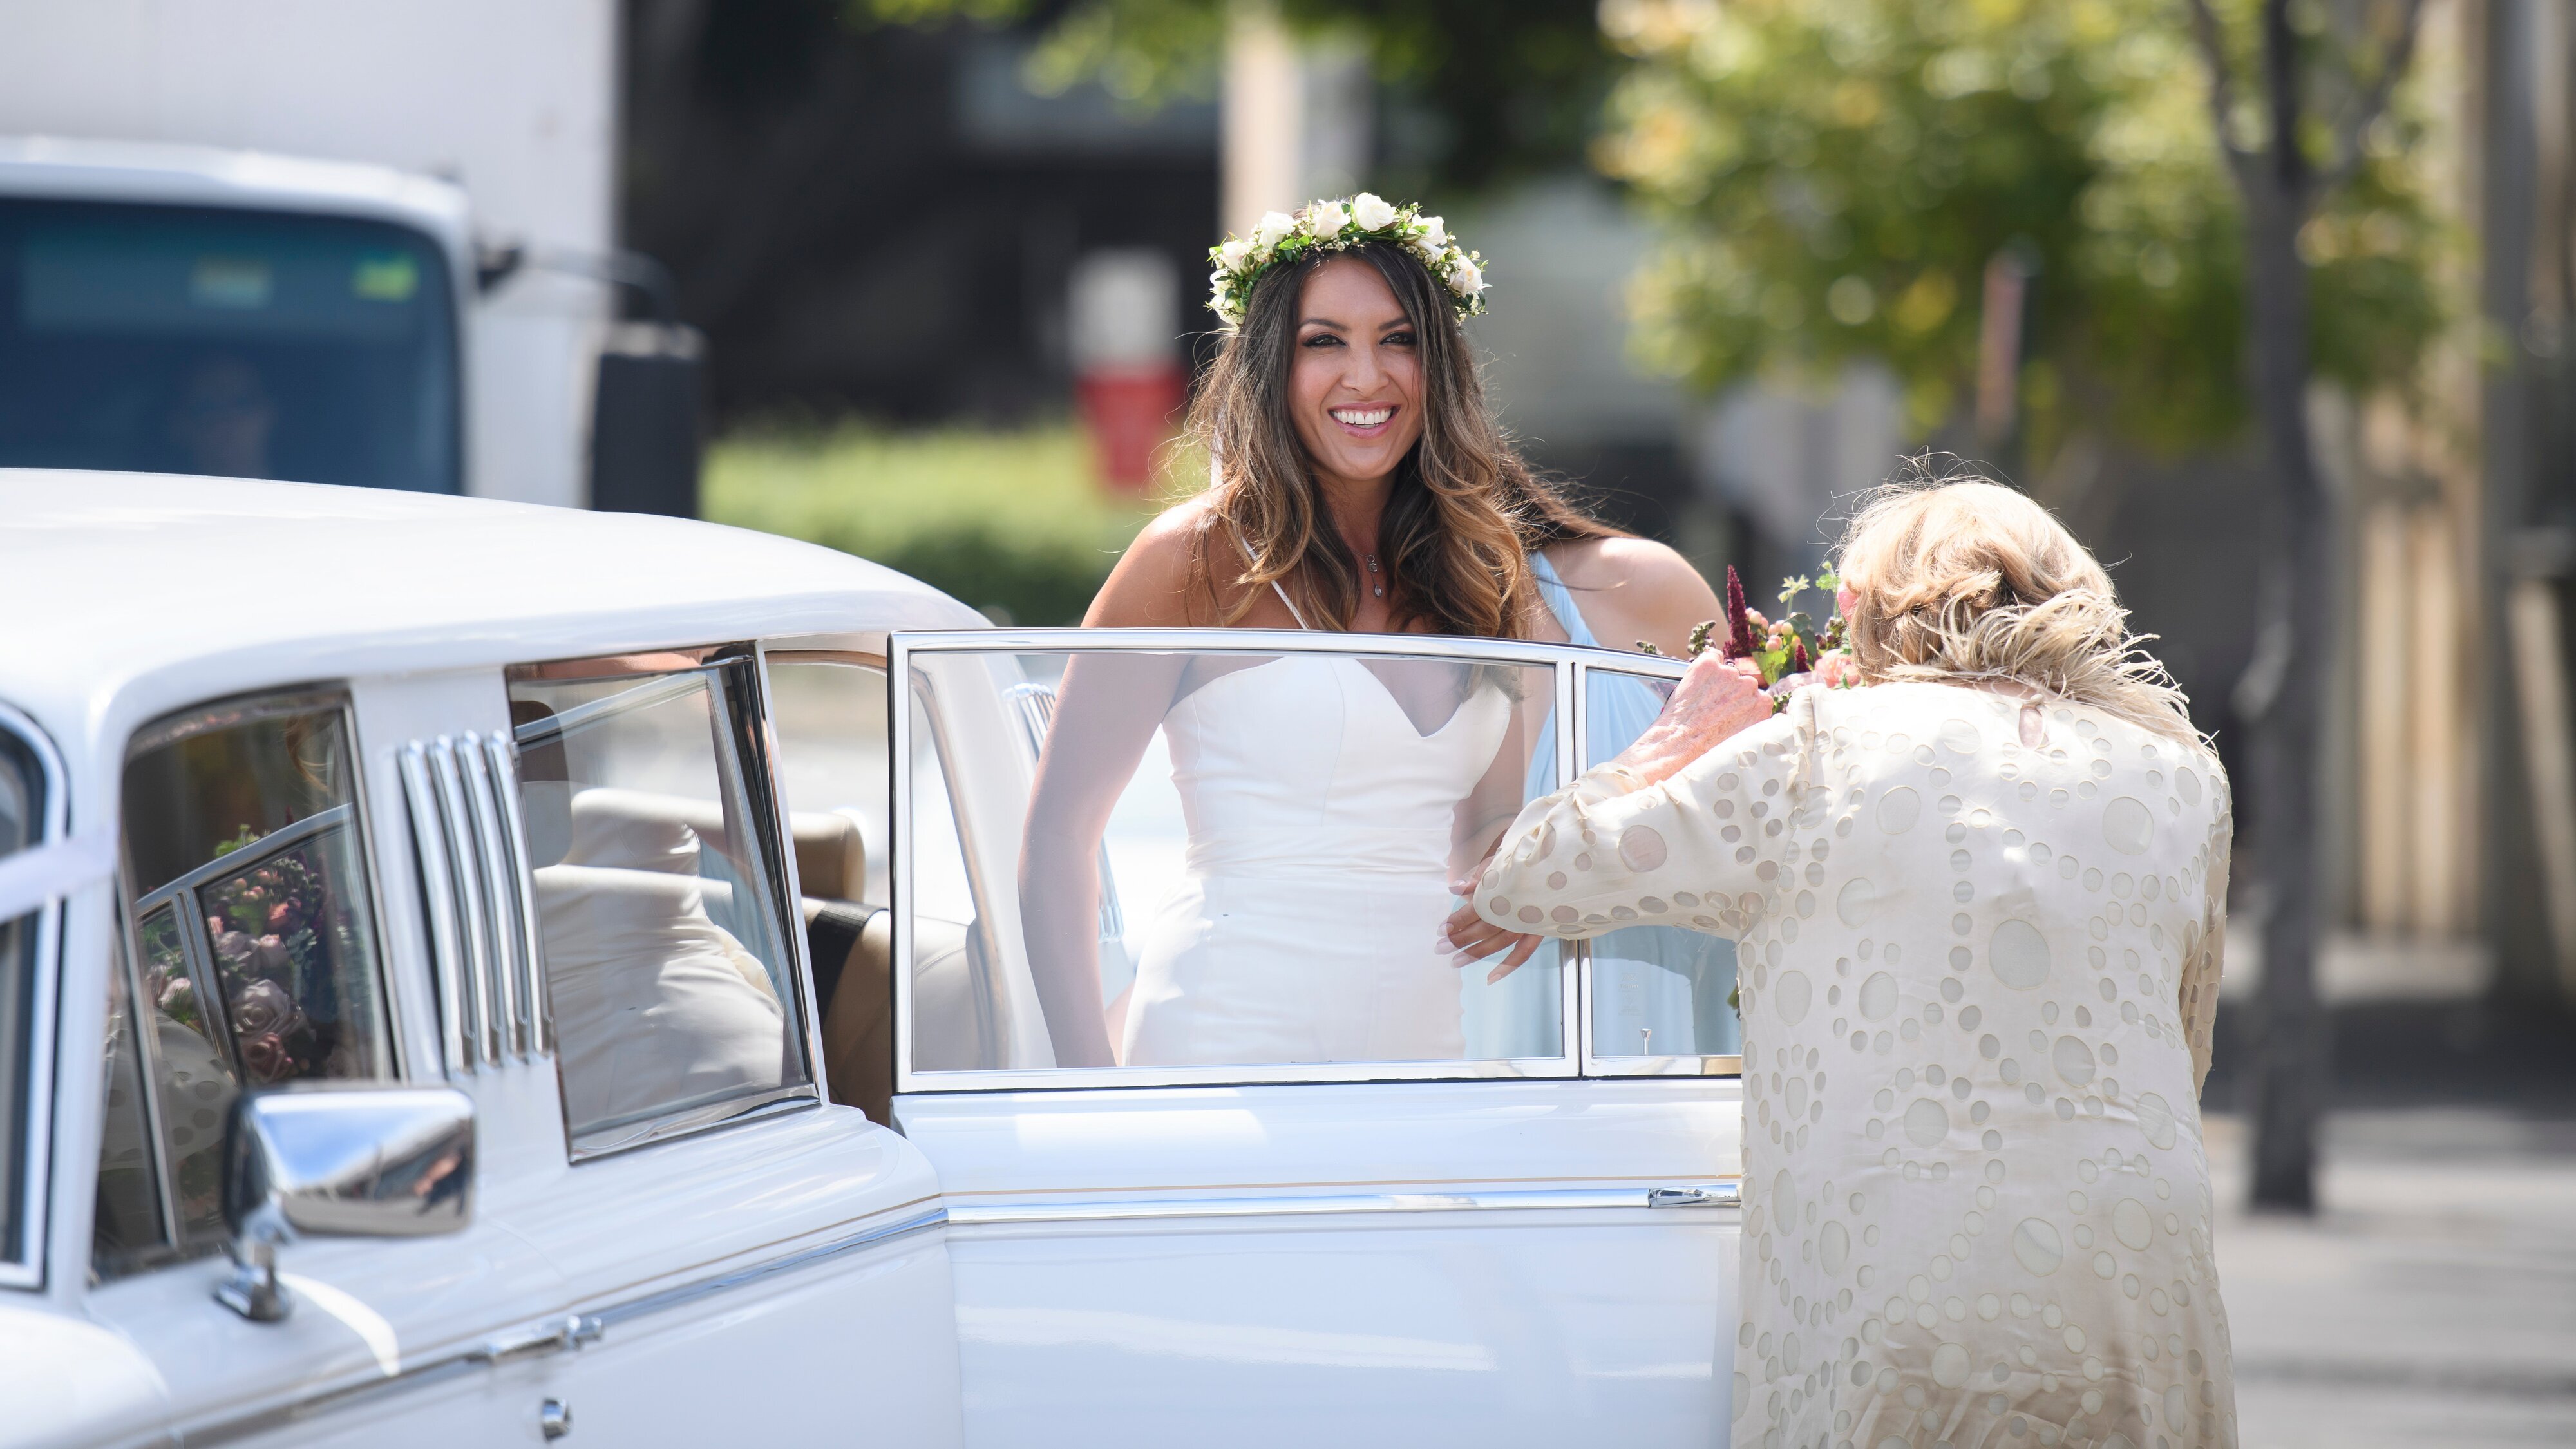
[1320, 820]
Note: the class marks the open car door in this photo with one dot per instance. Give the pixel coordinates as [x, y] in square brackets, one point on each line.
[1230, 1151]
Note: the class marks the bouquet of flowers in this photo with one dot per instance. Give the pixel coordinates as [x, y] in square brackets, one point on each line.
[1789, 651]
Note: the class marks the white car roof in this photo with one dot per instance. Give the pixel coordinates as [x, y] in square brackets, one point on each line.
[124, 596]
[137, 171]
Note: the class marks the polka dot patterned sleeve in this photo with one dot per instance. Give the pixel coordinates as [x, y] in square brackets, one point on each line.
[1705, 849]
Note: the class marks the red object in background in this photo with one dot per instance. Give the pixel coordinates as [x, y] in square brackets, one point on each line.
[1131, 412]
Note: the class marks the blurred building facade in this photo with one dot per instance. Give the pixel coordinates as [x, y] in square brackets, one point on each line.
[883, 220]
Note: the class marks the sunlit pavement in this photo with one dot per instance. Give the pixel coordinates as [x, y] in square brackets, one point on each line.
[2431, 1301]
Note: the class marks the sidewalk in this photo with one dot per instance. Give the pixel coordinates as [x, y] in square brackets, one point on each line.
[2431, 1301]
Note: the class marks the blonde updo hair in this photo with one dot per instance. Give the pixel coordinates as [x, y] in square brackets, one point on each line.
[1957, 578]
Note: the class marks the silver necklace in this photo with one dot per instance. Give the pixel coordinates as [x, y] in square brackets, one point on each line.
[1376, 587]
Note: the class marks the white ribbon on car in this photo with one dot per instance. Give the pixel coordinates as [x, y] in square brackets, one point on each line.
[31, 878]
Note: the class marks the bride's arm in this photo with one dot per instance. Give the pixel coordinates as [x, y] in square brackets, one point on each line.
[1482, 817]
[1105, 716]
[1104, 719]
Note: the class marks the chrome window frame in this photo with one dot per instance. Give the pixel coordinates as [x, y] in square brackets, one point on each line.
[167, 729]
[753, 773]
[35, 1149]
[1643, 666]
[901, 648]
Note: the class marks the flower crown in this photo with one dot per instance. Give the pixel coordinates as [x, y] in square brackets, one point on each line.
[1338, 226]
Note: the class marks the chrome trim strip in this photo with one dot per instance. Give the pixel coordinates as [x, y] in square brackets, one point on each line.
[535, 1025]
[249, 856]
[652, 691]
[466, 873]
[634, 1308]
[899, 748]
[663, 1123]
[1711, 1194]
[1244, 641]
[429, 857]
[1061, 1079]
[572, 1331]
[35, 1176]
[500, 895]
[764, 765]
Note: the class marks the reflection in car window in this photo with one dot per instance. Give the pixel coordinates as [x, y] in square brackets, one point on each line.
[1656, 990]
[22, 817]
[669, 980]
[255, 957]
[1217, 860]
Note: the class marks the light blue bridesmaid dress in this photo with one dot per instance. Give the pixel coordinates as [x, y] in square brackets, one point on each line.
[1656, 990]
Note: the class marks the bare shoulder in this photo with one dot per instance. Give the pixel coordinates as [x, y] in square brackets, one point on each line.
[1154, 578]
[1640, 567]
[1634, 589]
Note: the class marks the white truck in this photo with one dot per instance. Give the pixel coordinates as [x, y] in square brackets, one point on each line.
[348, 244]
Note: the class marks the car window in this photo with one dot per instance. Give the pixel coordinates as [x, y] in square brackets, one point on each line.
[669, 978]
[22, 818]
[1656, 992]
[254, 956]
[829, 713]
[1213, 864]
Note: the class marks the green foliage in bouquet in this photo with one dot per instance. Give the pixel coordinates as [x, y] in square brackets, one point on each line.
[1792, 649]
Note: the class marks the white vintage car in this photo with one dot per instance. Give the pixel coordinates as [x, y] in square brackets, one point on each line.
[481, 974]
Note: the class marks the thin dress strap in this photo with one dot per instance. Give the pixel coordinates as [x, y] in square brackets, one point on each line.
[1291, 603]
[1250, 556]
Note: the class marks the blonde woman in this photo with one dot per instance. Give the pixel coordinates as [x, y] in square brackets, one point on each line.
[1978, 905]
[1362, 485]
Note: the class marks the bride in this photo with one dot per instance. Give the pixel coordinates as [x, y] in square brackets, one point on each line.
[1361, 485]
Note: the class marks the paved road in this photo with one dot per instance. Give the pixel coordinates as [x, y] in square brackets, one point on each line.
[2432, 1302]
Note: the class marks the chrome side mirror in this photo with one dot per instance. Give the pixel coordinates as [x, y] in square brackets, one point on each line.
[339, 1161]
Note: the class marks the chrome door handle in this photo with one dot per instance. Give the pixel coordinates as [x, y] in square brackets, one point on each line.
[1687, 1197]
[553, 1335]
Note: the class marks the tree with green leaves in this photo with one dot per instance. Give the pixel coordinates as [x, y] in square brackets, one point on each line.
[1834, 178]
[1833, 181]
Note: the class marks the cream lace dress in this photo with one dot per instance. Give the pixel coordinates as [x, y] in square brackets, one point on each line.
[1979, 946]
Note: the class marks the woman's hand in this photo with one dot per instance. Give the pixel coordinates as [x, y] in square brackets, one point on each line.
[1717, 699]
[1469, 937]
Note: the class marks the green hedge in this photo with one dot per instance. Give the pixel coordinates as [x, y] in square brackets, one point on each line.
[1016, 524]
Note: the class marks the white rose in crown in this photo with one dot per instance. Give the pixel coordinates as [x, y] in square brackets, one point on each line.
[1465, 276]
[1435, 235]
[1326, 219]
[1234, 253]
[1371, 213]
[1275, 228]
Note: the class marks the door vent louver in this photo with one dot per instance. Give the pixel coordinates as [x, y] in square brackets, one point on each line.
[463, 791]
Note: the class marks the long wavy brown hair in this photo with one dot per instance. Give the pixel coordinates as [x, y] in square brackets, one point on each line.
[1465, 512]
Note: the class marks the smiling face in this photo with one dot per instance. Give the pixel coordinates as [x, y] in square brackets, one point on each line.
[1355, 385]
